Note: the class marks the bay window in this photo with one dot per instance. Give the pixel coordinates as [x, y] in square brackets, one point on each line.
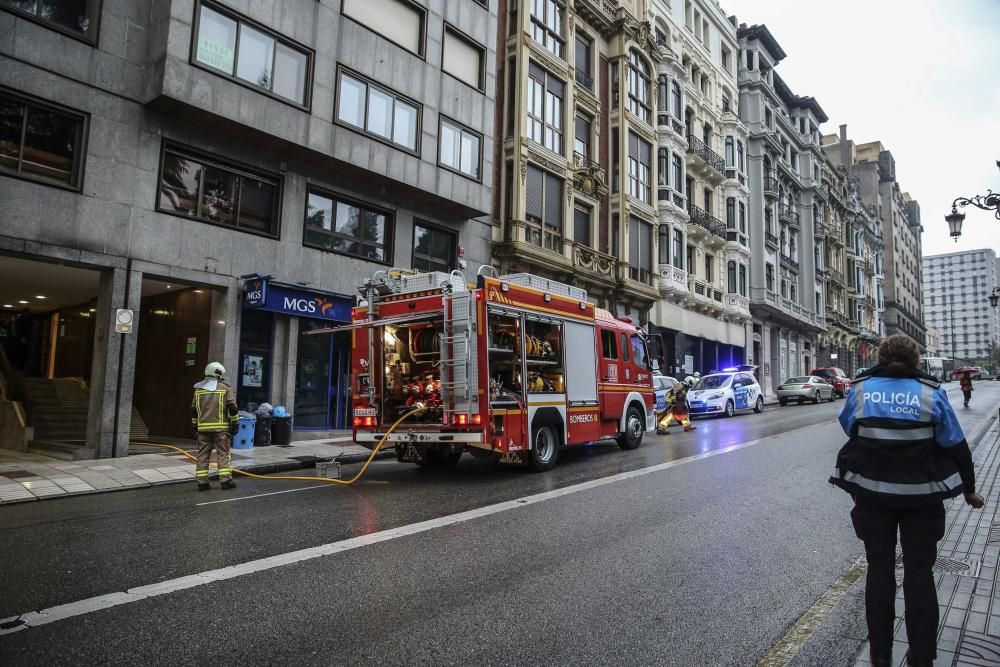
[639, 156]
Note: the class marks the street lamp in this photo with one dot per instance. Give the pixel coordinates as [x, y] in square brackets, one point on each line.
[995, 297]
[988, 202]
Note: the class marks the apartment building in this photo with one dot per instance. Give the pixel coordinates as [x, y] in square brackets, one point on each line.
[899, 217]
[226, 170]
[957, 286]
[785, 161]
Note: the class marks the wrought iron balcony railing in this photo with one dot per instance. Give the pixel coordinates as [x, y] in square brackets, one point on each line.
[697, 147]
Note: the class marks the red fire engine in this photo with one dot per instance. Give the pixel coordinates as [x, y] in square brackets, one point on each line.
[514, 367]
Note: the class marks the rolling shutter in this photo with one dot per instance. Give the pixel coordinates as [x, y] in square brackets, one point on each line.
[462, 60]
[397, 20]
[533, 193]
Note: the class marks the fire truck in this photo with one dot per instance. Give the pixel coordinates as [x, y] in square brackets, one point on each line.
[513, 367]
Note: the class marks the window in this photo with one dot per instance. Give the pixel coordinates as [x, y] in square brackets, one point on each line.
[547, 24]
[640, 251]
[460, 149]
[543, 203]
[377, 112]
[739, 155]
[690, 259]
[211, 191]
[678, 249]
[545, 104]
[769, 277]
[731, 277]
[792, 294]
[663, 168]
[730, 153]
[41, 142]
[726, 106]
[784, 288]
[638, 86]
[743, 279]
[727, 57]
[663, 245]
[396, 20]
[581, 143]
[639, 156]
[581, 225]
[678, 172]
[709, 268]
[347, 227]
[609, 344]
[433, 248]
[731, 212]
[76, 18]
[463, 58]
[584, 73]
[624, 347]
[675, 94]
[743, 218]
[639, 356]
[249, 54]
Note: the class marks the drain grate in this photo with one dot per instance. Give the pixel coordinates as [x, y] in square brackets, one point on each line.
[962, 567]
[994, 535]
[979, 650]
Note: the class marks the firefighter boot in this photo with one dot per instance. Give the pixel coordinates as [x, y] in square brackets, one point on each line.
[204, 486]
[228, 484]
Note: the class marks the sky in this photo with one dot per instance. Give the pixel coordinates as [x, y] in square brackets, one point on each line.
[921, 76]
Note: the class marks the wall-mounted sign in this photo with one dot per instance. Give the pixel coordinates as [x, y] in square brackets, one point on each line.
[291, 300]
[688, 364]
[123, 321]
[253, 370]
[192, 346]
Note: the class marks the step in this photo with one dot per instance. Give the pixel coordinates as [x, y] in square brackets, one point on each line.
[64, 451]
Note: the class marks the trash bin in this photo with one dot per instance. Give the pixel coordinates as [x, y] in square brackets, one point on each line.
[281, 430]
[262, 432]
[245, 435]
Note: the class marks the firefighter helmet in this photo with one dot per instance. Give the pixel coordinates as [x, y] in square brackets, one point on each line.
[215, 370]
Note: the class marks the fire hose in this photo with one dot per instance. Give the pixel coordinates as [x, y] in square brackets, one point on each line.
[303, 478]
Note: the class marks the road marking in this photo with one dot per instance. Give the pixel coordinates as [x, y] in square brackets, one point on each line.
[69, 610]
[785, 650]
[261, 495]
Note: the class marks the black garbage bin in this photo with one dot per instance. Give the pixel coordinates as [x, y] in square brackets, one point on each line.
[281, 430]
[262, 432]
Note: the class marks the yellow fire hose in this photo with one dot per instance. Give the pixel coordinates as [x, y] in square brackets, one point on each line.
[303, 478]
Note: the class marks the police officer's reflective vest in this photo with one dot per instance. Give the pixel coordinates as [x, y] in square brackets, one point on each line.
[214, 406]
[899, 428]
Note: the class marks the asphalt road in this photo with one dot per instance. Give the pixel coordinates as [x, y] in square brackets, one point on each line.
[707, 562]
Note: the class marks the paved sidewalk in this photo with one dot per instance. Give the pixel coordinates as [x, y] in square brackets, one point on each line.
[965, 571]
[25, 478]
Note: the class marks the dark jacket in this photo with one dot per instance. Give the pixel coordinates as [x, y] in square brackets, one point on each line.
[906, 447]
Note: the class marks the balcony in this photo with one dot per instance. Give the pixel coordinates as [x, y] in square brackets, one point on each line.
[602, 14]
[595, 264]
[585, 80]
[789, 263]
[790, 215]
[737, 307]
[712, 160]
[771, 240]
[707, 221]
[673, 282]
[821, 273]
[819, 228]
[771, 187]
[836, 276]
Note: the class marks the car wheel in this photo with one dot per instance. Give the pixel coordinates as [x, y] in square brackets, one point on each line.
[759, 405]
[634, 428]
[816, 397]
[544, 449]
[783, 401]
[730, 409]
[831, 396]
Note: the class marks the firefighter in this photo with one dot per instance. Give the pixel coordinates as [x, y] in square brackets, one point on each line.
[906, 453]
[677, 407]
[215, 416]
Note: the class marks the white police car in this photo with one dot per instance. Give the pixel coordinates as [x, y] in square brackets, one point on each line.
[726, 393]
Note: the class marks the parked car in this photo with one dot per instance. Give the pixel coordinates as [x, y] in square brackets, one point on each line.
[804, 388]
[661, 385]
[835, 376]
[726, 393]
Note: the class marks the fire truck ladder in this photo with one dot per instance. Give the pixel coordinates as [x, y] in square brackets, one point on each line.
[456, 351]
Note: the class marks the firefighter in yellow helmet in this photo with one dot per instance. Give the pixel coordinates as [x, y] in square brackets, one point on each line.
[216, 418]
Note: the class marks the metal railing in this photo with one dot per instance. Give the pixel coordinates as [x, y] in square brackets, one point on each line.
[771, 239]
[707, 221]
[789, 263]
[697, 147]
[585, 80]
[583, 162]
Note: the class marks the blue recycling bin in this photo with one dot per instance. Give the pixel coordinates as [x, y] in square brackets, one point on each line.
[244, 437]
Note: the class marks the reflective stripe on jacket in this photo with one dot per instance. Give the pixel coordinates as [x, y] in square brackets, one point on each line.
[902, 428]
[214, 406]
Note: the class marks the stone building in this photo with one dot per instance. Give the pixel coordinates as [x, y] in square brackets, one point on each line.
[785, 158]
[957, 286]
[227, 170]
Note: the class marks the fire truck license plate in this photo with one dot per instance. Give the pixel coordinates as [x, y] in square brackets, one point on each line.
[365, 412]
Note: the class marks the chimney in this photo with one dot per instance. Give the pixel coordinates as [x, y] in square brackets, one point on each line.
[845, 149]
[843, 132]
[743, 26]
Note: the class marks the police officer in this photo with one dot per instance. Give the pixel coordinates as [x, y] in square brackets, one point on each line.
[215, 416]
[905, 455]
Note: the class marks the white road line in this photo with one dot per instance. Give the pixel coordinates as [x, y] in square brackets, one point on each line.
[69, 610]
[261, 495]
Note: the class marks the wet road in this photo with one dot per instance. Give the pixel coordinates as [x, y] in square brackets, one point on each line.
[705, 562]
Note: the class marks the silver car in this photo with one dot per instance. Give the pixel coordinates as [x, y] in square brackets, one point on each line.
[805, 388]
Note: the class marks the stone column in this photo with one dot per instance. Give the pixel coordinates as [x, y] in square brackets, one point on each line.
[286, 343]
[223, 336]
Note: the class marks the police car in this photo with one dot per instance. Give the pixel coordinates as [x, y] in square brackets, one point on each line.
[661, 385]
[726, 393]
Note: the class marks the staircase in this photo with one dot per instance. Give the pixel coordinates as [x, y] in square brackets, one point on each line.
[58, 410]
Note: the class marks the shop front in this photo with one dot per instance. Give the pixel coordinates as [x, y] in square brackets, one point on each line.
[280, 363]
[680, 354]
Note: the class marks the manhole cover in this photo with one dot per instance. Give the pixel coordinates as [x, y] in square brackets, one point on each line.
[994, 535]
[963, 567]
[979, 650]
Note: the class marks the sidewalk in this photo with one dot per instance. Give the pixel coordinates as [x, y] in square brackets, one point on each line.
[966, 570]
[25, 478]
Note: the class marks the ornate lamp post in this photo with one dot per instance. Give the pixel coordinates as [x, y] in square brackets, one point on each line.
[995, 297]
[988, 202]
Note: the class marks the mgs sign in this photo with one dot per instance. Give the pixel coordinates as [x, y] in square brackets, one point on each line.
[281, 298]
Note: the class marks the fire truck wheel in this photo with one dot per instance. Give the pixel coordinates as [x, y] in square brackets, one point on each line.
[544, 449]
[634, 428]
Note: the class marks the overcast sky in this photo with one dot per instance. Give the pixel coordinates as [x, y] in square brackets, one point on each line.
[921, 76]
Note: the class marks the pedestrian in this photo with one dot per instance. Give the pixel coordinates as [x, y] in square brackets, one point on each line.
[906, 453]
[677, 408]
[966, 385]
[216, 418]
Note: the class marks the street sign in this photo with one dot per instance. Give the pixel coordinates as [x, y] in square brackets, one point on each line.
[123, 321]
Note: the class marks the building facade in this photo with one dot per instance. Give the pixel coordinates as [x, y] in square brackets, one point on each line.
[898, 214]
[957, 286]
[785, 158]
[228, 171]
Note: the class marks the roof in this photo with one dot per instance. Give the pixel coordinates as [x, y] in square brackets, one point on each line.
[764, 36]
[796, 101]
